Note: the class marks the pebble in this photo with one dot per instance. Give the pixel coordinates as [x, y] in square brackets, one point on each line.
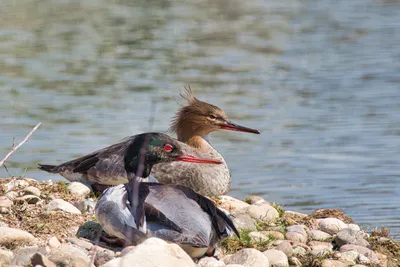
[232, 204]
[30, 199]
[53, 242]
[333, 263]
[262, 213]
[102, 256]
[276, 258]
[256, 200]
[31, 190]
[154, 252]
[86, 205]
[5, 257]
[299, 228]
[331, 225]
[5, 202]
[68, 255]
[206, 260]
[248, 257]
[353, 226]
[78, 189]
[299, 251]
[16, 184]
[41, 260]
[274, 234]
[371, 255]
[318, 235]
[11, 236]
[80, 243]
[243, 221]
[12, 195]
[350, 236]
[257, 237]
[285, 247]
[319, 244]
[363, 259]
[60, 204]
[296, 237]
[22, 256]
[320, 252]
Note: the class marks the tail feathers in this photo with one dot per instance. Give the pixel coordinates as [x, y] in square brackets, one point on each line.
[47, 168]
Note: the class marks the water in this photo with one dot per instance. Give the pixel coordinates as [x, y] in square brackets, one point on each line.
[319, 79]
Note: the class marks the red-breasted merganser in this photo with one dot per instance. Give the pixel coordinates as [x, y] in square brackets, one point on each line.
[138, 210]
[192, 125]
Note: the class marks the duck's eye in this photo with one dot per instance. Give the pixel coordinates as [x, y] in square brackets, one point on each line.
[212, 117]
[168, 148]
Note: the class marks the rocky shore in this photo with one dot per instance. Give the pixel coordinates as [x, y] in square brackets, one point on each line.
[53, 224]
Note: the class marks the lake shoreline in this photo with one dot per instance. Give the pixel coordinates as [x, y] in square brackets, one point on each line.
[52, 223]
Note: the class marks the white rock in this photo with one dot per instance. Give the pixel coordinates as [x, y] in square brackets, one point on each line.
[203, 262]
[78, 189]
[53, 242]
[297, 250]
[16, 184]
[261, 213]
[248, 257]
[234, 265]
[243, 221]
[5, 257]
[12, 195]
[232, 204]
[320, 252]
[353, 226]
[371, 255]
[318, 235]
[5, 202]
[299, 228]
[296, 237]
[285, 247]
[276, 258]
[9, 236]
[350, 236]
[68, 255]
[333, 263]
[331, 225]
[60, 204]
[154, 252]
[31, 190]
[359, 265]
[363, 259]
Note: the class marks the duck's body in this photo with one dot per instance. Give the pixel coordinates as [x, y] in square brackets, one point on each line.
[192, 125]
[138, 210]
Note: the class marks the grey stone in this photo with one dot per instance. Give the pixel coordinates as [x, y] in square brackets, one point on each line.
[363, 259]
[31, 190]
[68, 255]
[371, 255]
[103, 256]
[331, 225]
[22, 256]
[62, 205]
[244, 222]
[286, 247]
[257, 237]
[16, 184]
[320, 252]
[333, 263]
[40, 259]
[256, 200]
[350, 236]
[320, 245]
[353, 226]
[318, 235]
[296, 237]
[154, 252]
[203, 262]
[78, 189]
[261, 213]
[276, 258]
[11, 236]
[86, 205]
[5, 202]
[299, 228]
[5, 257]
[53, 242]
[80, 243]
[248, 257]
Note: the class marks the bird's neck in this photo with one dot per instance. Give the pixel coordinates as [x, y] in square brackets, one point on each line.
[198, 142]
[139, 170]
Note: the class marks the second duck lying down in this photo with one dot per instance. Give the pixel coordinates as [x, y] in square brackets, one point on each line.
[138, 210]
[192, 125]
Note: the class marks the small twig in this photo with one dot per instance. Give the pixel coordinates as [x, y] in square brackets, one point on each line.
[14, 148]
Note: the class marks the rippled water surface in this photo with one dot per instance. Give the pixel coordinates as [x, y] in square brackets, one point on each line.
[319, 79]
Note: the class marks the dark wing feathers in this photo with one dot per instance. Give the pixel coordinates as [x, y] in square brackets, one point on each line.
[153, 214]
[219, 219]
